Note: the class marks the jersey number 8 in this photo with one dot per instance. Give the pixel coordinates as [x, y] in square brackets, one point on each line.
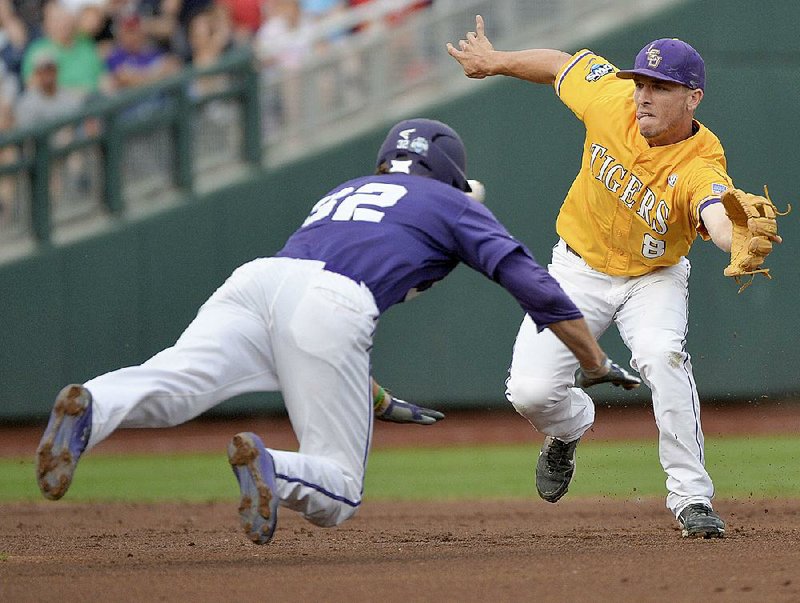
[653, 248]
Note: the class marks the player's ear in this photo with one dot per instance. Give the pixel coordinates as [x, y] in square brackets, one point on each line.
[694, 98]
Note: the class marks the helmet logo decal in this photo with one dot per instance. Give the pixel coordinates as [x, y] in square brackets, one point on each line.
[419, 146]
[653, 57]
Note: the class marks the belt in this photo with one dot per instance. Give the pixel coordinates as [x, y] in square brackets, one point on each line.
[571, 250]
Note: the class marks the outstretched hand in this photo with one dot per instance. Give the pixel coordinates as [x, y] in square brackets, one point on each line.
[399, 411]
[609, 372]
[473, 53]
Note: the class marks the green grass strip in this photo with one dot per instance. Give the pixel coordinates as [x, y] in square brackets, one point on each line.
[741, 467]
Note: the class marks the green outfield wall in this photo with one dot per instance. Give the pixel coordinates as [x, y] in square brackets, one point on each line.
[72, 311]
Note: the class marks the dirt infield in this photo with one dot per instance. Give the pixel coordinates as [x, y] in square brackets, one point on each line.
[577, 550]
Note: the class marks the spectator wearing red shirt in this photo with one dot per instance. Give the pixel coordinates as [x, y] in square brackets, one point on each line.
[246, 17]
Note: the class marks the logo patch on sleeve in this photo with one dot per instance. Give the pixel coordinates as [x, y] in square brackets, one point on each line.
[718, 189]
[599, 70]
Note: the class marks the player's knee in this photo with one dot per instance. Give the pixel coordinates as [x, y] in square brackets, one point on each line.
[335, 514]
[332, 506]
[657, 358]
[529, 395]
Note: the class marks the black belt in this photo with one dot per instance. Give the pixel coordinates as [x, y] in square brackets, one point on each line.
[571, 250]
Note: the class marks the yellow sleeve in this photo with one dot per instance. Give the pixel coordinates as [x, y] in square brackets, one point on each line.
[586, 77]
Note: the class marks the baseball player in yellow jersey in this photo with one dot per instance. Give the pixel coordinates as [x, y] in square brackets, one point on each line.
[650, 181]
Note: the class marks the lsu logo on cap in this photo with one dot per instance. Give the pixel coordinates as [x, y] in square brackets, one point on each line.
[653, 57]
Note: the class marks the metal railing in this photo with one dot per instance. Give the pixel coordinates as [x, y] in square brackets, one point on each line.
[129, 153]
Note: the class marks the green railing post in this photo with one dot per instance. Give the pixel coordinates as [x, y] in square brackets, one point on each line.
[40, 188]
[251, 108]
[112, 164]
[184, 122]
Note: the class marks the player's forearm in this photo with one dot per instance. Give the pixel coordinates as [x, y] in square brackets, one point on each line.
[723, 239]
[718, 225]
[575, 334]
[537, 65]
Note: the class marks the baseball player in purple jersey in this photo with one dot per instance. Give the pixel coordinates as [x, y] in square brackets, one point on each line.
[302, 322]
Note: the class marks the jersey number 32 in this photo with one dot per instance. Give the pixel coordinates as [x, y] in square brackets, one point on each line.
[357, 204]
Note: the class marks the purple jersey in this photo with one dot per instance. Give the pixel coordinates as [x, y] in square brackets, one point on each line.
[399, 234]
[141, 61]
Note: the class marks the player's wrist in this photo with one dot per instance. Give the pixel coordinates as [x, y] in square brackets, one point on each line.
[598, 371]
[381, 401]
[498, 62]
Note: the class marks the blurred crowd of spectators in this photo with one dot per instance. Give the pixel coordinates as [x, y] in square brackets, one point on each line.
[56, 54]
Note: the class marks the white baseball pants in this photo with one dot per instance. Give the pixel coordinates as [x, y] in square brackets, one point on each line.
[275, 324]
[651, 314]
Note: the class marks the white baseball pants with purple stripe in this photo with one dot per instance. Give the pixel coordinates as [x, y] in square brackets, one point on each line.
[651, 314]
[277, 324]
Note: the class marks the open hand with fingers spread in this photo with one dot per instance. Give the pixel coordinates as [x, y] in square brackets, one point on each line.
[474, 53]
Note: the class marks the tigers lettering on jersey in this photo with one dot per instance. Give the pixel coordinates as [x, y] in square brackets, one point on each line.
[632, 208]
[632, 194]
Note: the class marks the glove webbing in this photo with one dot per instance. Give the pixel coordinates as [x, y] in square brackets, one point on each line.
[764, 271]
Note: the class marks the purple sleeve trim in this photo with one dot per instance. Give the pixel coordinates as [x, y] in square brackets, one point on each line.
[568, 68]
[706, 203]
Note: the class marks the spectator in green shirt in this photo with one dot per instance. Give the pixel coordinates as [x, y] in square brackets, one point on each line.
[80, 67]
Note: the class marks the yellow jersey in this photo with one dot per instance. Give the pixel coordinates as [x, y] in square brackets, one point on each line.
[632, 208]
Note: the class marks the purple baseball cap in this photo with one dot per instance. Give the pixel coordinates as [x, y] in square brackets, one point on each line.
[671, 60]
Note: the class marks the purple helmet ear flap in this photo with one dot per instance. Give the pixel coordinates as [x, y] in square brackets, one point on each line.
[433, 148]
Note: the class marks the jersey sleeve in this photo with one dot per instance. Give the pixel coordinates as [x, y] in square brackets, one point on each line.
[585, 77]
[486, 246]
[535, 290]
[706, 186]
[481, 241]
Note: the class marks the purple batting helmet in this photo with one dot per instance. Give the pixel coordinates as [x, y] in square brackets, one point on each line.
[671, 60]
[434, 149]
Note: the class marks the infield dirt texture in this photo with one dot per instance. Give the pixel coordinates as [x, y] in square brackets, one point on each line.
[520, 550]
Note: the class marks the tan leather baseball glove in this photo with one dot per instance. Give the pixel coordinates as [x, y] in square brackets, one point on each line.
[754, 229]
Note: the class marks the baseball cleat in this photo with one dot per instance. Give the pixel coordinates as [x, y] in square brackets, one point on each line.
[64, 440]
[555, 468]
[700, 521]
[254, 469]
